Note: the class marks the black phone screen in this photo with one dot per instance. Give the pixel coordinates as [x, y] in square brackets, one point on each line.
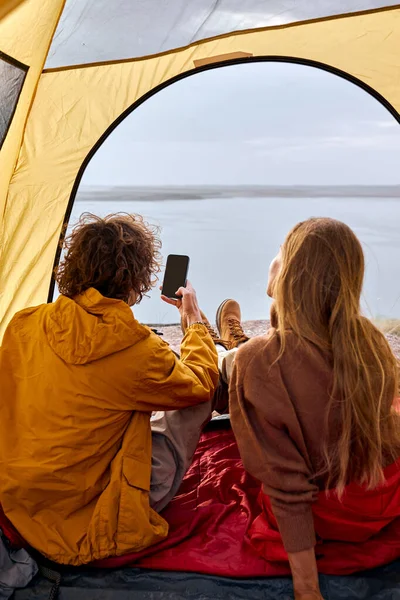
[175, 274]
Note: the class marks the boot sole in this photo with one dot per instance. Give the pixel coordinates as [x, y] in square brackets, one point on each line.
[218, 315]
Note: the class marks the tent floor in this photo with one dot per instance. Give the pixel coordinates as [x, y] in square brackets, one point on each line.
[137, 584]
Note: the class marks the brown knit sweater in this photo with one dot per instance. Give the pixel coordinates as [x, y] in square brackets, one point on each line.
[278, 414]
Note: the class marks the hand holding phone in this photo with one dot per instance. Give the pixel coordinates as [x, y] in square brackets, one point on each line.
[176, 290]
[175, 275]
[187, 304]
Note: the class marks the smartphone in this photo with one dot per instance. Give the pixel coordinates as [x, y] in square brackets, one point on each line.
[175, 275]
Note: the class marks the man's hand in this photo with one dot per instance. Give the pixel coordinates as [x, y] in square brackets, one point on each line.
[187, 304]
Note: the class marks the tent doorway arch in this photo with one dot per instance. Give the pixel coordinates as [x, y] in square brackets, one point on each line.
[257, 70]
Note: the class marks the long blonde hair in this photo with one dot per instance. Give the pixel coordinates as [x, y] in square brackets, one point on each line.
[317, 296]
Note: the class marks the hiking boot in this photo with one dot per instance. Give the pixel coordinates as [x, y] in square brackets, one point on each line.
[214, 335]
[229, 325]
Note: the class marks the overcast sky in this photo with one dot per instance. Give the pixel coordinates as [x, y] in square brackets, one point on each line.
[259, 123]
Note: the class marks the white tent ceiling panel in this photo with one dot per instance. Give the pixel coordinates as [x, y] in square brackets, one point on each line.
[100, 30]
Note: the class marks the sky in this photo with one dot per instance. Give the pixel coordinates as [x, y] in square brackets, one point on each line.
[257, 123]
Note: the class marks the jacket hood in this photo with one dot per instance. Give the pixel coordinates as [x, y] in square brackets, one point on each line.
[90, 326]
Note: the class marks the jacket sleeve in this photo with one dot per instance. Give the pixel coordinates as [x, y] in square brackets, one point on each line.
[170, 382]
[259, 407]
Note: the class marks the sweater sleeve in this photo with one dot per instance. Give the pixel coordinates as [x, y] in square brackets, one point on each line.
[271, 445]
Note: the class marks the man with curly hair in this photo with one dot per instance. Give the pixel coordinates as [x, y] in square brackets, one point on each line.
[84, 471]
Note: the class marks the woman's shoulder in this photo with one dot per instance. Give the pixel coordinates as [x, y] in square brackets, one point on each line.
[266, 349]
[266, 345]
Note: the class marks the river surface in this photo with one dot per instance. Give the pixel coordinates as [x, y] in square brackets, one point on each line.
[231, 241]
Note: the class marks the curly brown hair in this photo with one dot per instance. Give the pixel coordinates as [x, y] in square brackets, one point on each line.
[117, 255]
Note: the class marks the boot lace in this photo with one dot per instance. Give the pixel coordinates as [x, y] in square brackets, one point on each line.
[236, 331]
[214, 336]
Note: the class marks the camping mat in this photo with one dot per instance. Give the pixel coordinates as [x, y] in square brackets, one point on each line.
[136, 584]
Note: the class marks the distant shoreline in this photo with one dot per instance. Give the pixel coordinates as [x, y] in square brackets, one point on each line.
[190, 192]
[173, 333]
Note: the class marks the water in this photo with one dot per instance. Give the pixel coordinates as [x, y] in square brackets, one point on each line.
[231, 241]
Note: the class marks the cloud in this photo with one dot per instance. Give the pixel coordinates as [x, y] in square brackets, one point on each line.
[363, 141]
[387, 124]
[285, 146]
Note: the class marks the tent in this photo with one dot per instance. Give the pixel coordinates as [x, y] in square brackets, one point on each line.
[71, 70]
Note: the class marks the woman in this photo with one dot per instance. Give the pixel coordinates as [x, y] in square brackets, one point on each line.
[312, 402]
[82, 471]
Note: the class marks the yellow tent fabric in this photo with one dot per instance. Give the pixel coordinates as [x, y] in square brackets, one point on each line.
[25, 35]
[7, 6]
[70, 108]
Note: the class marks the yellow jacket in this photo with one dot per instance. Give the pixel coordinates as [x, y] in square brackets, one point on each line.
[79, 380]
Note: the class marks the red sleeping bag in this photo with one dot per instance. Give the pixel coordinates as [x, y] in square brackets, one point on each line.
[221, 524]
[360, 532]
